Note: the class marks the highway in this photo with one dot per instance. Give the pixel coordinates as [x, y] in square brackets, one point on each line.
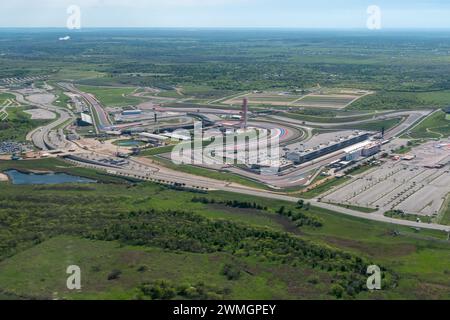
[45, 138]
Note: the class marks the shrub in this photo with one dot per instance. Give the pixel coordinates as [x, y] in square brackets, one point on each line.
[114, 275]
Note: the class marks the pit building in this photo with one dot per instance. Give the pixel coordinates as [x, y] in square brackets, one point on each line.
[299, 157]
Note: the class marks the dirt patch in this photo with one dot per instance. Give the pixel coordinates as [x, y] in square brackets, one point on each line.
[3, 177]
[40, 114]
[36, 171]
[41, 98]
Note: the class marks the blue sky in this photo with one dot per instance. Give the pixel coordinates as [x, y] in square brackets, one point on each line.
[227, 13]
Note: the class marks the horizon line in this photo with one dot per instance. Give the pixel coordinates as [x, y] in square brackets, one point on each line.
[235, 28]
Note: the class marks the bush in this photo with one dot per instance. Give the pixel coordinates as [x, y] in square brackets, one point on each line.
[142, 269]
[165, 290]
[337, 291]
[159, 290]
[232, 272]
[114, 275]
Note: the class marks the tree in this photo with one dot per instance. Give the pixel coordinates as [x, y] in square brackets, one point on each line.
[337, 290]
[232, 272]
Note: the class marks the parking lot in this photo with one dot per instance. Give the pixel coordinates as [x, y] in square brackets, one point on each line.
[20, 80]
[418, 186]
[10, 147]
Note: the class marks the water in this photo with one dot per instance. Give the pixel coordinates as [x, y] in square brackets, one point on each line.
[20, 178]
[129, 143]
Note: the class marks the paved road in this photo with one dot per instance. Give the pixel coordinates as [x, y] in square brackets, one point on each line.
[412, 117]
[200, 110]
[102, 115]
[45, 138]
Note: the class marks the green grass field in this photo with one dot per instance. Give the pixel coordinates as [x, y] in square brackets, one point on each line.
[41, 272]
[389, 100]
[328, 119]
[446, 212]
[435, 126]
[360, 169]
[129, 143]
[435, 98]
[17, 125]
[375, 125]
[110, 96]
[204, 92]
[403, 150]
[356, 208]
[4, 97]
[62, 100]
[407, 216]
[156, 151]
[79, 73]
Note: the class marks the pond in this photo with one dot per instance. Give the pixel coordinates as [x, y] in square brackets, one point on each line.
[21, 178]
[129, 143]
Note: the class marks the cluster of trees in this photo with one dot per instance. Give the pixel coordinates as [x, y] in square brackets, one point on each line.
[230, 203]
[232, 271]
[299, 217]
[184, 231]
[166, 290]
[367, 164]
[385, 100]
[29, 215]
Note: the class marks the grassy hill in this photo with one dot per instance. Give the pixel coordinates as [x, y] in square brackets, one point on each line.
[132, 240]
